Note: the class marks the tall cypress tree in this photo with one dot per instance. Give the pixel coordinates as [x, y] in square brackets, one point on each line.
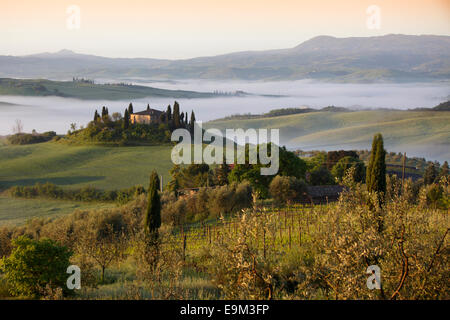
[153, 215]
[192, 122]
[130, 109]
[176, 115]
[169, 113]
[430, 174]
[96, 116]
[126, 120]
[376, 170]
[444, 170]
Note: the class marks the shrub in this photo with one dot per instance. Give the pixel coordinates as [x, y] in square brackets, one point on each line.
[26, 138]
[285, 190]
[34, 265]
[341, 167]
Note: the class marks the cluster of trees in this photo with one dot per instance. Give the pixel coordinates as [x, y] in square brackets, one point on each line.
[117, 128]
[206, 203]
[329, 168]
[176, 119]
[30, 138]
[86, 194]
[202, 175]
[434, 172]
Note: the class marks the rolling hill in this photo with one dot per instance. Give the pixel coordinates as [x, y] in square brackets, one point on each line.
[89, 91]
[391, 57]
[108, 168]
[419, 133]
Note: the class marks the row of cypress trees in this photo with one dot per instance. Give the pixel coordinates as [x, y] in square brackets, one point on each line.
[174, 120]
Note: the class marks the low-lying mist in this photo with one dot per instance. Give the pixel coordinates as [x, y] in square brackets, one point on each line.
[56, 113]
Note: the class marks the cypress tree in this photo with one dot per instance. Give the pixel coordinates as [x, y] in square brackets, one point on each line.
[148, 107]
[126, 120]
[130, 109]
[176, 115]
[103, 111]
[444, 169]
[96, 116]
[169, 113]
[153, 215]
[192, 122]
[162, 118]
[376, 170]
[430, 174]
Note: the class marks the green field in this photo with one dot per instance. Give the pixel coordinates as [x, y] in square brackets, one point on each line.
[419, 133]
[17, 211]
[107, 168]
[90, 91]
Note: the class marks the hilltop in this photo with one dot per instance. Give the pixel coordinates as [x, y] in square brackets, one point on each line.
[85, 89]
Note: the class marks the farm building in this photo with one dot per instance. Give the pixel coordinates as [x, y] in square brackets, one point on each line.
[323, 194]
[146, 117]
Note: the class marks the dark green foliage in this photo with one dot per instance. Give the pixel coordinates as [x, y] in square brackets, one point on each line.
[130, 109]
[444, 170]
[320, 176]
[431, 174]
[334, 156]
[289, 165]
[221, 173]
[340, 168]
[376, 170]
[176, 115]
[169, 113]
[86, 194]
[206, 203]
[26, 138]
[35, 264]
[192, 176]
[192, 122]
[444, 106]
[96, 116]
[126, 120]
[153, 215]
[285, 189]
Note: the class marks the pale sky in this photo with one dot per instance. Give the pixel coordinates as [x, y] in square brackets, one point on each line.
[175, 29]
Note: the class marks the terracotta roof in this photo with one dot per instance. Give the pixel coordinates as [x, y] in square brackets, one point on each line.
[151, 112]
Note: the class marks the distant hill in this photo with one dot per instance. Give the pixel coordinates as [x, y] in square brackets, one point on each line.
[282, 112]
[444, 106]
[391, 57]
[89, 90]
[419, 133]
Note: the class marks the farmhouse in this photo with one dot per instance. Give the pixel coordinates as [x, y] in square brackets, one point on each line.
[146, 117]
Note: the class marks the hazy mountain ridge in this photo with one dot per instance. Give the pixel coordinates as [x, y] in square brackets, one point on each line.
[356, 59]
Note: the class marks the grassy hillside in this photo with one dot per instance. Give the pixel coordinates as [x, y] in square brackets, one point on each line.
[77, 166]
[17, 211]
[90, 91]
[419, 133]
